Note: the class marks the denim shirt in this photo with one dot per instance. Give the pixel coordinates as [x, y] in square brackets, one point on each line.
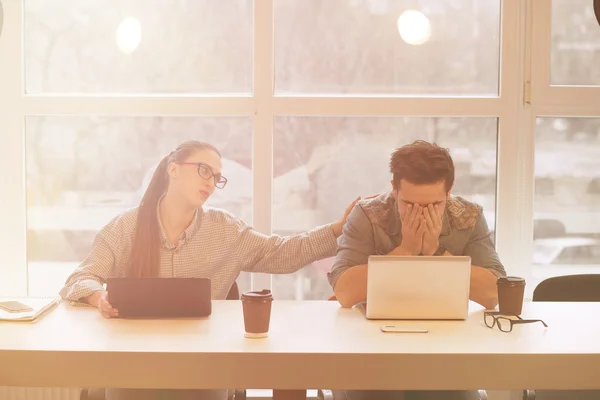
[374, 228]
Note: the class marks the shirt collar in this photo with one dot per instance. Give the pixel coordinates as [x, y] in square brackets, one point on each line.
[186, 235]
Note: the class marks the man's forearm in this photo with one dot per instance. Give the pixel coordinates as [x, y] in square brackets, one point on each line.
[351, 286]
[483, 288]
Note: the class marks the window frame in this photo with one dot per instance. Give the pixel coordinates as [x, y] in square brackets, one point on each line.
[525, 93]
[547, 99]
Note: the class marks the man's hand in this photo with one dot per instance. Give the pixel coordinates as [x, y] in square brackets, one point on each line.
[413, 227]
[431, 236]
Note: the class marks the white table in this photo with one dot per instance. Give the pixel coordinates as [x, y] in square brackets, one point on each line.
[311, 345]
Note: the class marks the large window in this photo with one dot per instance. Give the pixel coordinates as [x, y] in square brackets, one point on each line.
[306, 100]
[575, 43]
[137, 46]
[565, 126]
[567, 206]
[387, 47]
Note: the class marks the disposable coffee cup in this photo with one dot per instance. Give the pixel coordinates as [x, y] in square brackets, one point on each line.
[257, 313]
[511, 290]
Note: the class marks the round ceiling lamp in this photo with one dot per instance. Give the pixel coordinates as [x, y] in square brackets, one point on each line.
[129, 35]
[414, 27]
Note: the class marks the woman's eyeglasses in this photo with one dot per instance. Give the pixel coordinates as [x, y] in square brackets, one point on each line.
[505, 321]
[206, 172]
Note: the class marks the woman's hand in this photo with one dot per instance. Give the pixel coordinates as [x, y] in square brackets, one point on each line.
[100, 301]
[338, 225]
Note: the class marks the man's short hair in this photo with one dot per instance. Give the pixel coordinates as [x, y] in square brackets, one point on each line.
[422, 163]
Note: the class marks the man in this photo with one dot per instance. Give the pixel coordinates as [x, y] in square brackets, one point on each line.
[417, 217]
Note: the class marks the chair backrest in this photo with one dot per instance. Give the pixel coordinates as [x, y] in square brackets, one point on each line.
[569, 288]
[234, 292]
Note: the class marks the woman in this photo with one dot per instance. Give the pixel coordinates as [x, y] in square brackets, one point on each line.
[171, 235]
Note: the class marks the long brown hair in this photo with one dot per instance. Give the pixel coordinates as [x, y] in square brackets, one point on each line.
[144, 259]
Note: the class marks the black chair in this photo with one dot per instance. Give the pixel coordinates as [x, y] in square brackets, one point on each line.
[571, 288]
[237, 394]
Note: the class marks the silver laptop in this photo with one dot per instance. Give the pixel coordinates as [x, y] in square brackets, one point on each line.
[402, 287]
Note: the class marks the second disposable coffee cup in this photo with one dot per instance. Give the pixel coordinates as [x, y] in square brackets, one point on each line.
[257, 313]
[511, 290]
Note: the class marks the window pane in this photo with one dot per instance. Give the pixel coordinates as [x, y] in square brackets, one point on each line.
[83, 171]
[567, 218]
[323, 163]
[137, 46]
[364, 46]
[575, 51]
